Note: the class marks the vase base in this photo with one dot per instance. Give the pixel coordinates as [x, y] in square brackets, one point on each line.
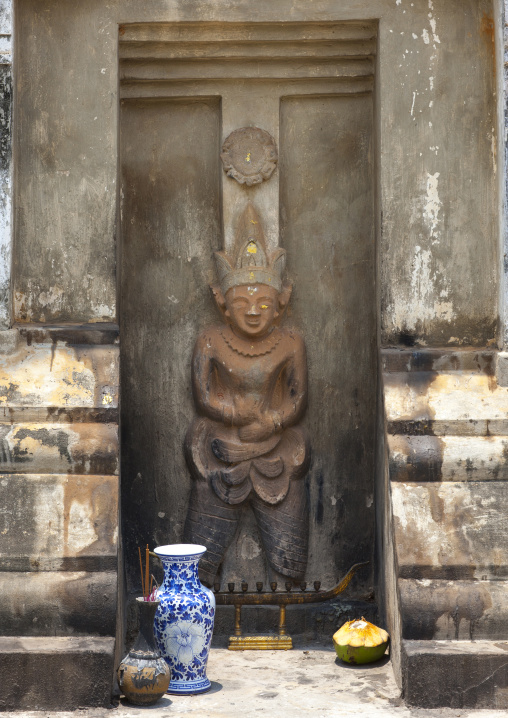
[260, 643]
[181, 688]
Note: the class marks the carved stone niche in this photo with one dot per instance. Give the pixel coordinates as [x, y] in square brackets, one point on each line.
[179, 207]
[247, 445]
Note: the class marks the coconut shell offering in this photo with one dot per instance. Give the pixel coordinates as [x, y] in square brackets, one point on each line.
[359, 641]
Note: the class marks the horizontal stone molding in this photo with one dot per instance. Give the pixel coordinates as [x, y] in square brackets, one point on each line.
[439, 360]
[58, 604]
[448, 458]
[454, 610]
[444, 397]
[35, 563]
[58, 415]
[49, 375]
[269, 68]
[455, 528]
[476, 670]
[319, 48]
[453, 572]
[53, 448]
[69, 334]
[205, 89]
[58, 516]
[197, 58]
[55, 673]
[245, 32]
[435, 427]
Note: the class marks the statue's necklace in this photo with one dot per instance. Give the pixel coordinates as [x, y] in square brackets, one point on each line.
[250, 349]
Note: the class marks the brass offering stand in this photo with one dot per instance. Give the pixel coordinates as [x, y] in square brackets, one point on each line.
[276, 598]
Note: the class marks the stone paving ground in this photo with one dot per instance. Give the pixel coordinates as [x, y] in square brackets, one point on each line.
[295, 684]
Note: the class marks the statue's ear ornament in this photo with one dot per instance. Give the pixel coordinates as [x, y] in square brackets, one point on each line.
[250, 262]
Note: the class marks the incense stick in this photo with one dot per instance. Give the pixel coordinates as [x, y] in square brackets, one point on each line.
[141, 567]
[147, 562]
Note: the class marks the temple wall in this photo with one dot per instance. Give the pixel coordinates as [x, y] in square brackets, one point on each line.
[435, 157]
[5, 162]
[431, 234]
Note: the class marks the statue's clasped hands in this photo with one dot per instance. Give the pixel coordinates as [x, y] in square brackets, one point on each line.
[263, 427]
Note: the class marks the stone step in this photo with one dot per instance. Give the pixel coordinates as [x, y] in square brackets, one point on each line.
[465, 403]
[59, 375]
[444, 360]
[455, 674]
[451, 530]
[448, 458]
[58, 516]
[453, 610]
[28, 447]
[61, 603]
[55, 673]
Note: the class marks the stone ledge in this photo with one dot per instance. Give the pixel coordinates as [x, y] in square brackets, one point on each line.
[59, 516]
[55, 374]
[71, 334]
[502, 369]
[439, 360]
[448, 458]
[436, 427]
[451, 525]
[455, 674]
[56, 448]
[55, 673]
[444, 397]
[58, 603]
[58, 415]
[453, 610]
[36, 564]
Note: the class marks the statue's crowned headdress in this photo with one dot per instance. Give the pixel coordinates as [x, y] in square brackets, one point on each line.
[250, 262]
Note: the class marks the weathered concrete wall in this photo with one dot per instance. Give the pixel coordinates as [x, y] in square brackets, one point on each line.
[440, 220]
[502, 17]
[65, 207]
[447, 442]
[58, 484]
[5, 161]
[438, 247]
[438, 188]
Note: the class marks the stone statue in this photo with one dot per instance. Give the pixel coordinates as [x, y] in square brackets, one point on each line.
[249, 379]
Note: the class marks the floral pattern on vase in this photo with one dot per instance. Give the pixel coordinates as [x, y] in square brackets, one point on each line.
[184, 620]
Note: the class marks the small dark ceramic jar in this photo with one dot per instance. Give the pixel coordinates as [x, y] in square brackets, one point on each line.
[144, 675]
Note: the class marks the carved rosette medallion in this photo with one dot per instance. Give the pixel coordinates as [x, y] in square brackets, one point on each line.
[249, 155]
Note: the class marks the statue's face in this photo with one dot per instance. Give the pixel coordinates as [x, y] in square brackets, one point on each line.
[252, 309]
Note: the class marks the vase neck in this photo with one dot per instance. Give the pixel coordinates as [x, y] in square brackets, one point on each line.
[181, 574]
[145, 641]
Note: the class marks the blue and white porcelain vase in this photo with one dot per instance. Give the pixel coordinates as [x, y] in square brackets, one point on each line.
[184, 620]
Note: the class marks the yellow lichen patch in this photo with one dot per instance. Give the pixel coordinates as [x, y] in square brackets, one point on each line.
[46, 376]
[447, 397]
